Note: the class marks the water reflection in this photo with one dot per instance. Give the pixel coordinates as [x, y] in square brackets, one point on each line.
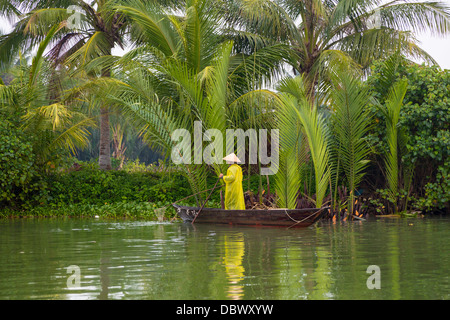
[104, 278]
[147, 260]
[234, 253]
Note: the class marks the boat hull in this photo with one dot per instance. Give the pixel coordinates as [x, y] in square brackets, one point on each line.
[290, 218]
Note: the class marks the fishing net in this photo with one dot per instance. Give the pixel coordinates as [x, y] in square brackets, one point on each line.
[160, 213]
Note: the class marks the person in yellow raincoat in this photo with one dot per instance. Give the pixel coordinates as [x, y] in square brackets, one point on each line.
[234, 194]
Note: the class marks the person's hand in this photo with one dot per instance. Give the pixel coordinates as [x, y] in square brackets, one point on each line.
[220, 175]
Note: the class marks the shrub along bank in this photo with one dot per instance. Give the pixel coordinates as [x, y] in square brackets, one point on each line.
[425, 124]
[84, 190]
[88, 191]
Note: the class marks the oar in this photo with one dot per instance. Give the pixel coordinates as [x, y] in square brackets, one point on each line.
[160, 211]
[205, 202]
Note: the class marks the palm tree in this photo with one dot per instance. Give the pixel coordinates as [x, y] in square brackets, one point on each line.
[396, 142]
[349, 124]
[327, 37]
[36, 96]
[92, 29]
[326, 33]
[398, 173]
[184, 72]
[293, 143]
[308, 134]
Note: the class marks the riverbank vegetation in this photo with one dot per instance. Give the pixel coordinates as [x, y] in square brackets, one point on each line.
[363, 128]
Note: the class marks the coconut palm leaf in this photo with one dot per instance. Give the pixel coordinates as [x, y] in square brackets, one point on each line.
[200, 26]
[417, 16]
[315, 27]
[153, 25]
[75, 134]
[217, 89]
[37, 59]
[96, 46]
[261, 17]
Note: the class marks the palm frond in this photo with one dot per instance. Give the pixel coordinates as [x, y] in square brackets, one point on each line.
[37, 59]
[288, 177]
[264, 17]
[74, 136]
[96, 46]
[318, 136]
[350, 126]
[314, 129]
[388, 73]
[9, 9]
[201, 26]
[40, 21]
[217, 90]
[393, 104]
[152, 26]
[431, 16]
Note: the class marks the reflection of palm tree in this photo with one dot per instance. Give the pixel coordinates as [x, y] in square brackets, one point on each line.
[234, 254]
[104, 278]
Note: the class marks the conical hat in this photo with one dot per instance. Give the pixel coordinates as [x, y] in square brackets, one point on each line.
[232, 158]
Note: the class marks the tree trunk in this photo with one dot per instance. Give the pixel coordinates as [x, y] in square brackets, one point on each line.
[104, 157]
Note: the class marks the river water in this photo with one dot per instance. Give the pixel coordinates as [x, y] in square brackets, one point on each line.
[101, 259]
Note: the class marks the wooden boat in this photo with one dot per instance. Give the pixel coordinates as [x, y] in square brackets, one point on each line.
[290, 218]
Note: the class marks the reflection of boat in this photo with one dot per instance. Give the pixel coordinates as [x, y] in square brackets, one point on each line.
[260, 217]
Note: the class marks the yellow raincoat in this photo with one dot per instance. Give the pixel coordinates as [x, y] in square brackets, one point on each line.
[234, 194]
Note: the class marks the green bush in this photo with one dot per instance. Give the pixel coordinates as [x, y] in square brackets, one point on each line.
[93, 186]
[437, 194]
[425, 117]
[20, 180]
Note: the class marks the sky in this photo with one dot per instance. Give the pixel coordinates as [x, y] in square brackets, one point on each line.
[437, 47]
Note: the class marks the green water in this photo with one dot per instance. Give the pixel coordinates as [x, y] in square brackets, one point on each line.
[149, 260]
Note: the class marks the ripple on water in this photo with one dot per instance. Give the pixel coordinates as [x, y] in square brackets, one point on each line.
[153, 260]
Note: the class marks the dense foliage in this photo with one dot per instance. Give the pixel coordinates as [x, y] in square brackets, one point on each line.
[351, 137]
[85, 186]
[18, 173]
[91, 185]
[425, 119]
